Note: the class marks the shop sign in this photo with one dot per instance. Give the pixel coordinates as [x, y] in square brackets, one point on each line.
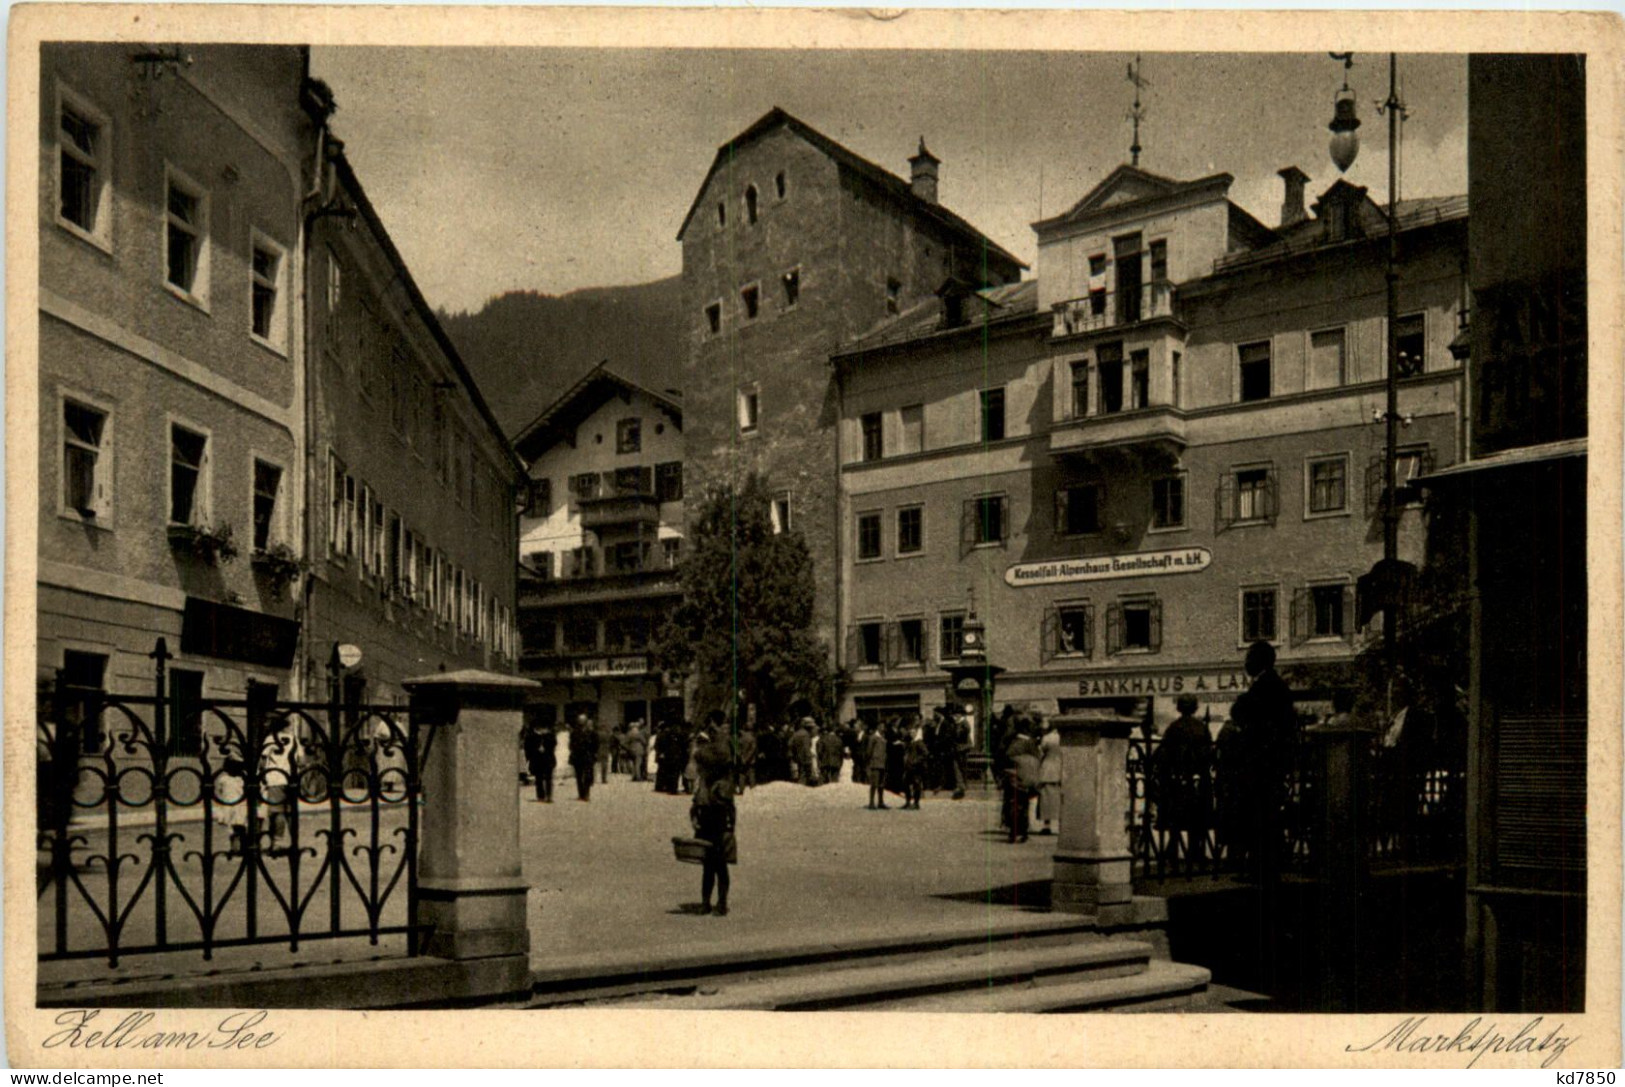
[1169, 683]
[1178, 560]
[595, 667]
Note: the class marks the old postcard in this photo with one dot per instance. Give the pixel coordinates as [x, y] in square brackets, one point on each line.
[542, 526]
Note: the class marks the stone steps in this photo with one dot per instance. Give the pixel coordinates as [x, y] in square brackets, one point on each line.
[1160, 986]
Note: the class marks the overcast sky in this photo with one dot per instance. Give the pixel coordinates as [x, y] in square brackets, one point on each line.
[555, 169]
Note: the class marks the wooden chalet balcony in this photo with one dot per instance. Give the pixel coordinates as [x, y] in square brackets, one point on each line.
[596, 588]
[622, 509]
[1098, 311]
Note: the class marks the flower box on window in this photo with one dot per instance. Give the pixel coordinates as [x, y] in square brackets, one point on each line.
[209, 543]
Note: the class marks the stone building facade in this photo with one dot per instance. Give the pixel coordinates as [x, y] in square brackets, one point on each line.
[599, 546]
[169, 368]
[1136, 471]
[792, 246]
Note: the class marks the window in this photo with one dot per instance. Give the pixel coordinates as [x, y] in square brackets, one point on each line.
[80, 684]
[1159, 262]
[791, 282]
[872, 434]
[83, 165]
[1255, 371]
[669, 481]
[539, 498]
[1134, 626]
[750, 406]
[188, 491]
[267, 487]
[185, 712]
[1077, 510]
[335, 295]
[265, 290]
[987, 520]
[1097, 301]
[1080, 390]
[186, 234]
[1074, 630]
[87, 478]
[1177, 359]
[713, 317]
[751, 296]
[671, 552]
[1097, 265]
[1257, 615]
[629, 436]
[349, 513]
[1328, 485]
[1140, 379]
[1327, 359]
[869, 645]
[541, 564]
[626, 633]
[1411, 345]
[335, 504]
[1327, 604]
[780, 185]
[1168, 502]
[912, 439]
[992, 414]
[1109, 364]
[634, 480]
[868, 536]
[894, 295]
[583, 562]
[586, 485]
[910, 530]
[778, 513]
[1255, 497]
[722, 214]
[580, 633]
[750, 203]
[910, 648]
[950, 635]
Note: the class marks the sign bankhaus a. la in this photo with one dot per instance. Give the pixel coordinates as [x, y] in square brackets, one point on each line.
[1179, 560]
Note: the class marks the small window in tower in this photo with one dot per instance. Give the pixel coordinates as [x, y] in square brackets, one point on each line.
[722, 214]
[894, 294]
[752, 298]
[791, 281]
[713, 317]
[750, 203]
[779, 184]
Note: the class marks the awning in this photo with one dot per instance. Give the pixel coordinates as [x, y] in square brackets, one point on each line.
[1510, 458]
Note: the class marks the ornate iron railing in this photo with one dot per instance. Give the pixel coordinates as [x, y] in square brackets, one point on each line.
[173, 823]
[1412, 812]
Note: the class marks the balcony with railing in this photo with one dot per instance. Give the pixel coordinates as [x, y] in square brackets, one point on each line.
[1115, 404]
[1100, 310]
[582, 582]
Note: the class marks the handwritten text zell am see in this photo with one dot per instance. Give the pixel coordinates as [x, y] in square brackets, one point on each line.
[80, 1030]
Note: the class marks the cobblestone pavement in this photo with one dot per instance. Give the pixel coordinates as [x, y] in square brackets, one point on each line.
[815, 866]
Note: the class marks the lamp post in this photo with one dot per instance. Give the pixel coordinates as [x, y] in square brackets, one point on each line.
[1345, 146]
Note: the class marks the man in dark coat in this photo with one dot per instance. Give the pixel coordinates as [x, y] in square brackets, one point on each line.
[747, 756]
[541, 758]
[583, 754]
[1181, 783]
[831, 753]
[874, 759]
[712, 815]
[1268, 728]
[801, 753]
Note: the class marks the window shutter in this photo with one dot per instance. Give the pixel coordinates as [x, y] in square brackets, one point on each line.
[1156, 625]
[967, 526]
[854, 647]
[1049, 634]
[1270, 504]
[1373, 487]
[646, 477]
[1302, 616]
[1114, 628]
[1060, 511]
[1224, 502]
[1003, 505]
[1089, 630]
[1348, 613]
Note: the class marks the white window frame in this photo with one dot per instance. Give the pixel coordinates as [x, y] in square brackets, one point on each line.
[1309, 357]
[277, 341]
[1309, 462]
[1242, 641]
[203, 497]
[278, 532]
[897, 532]
[103, 505]
[102, 236]
[198, 295]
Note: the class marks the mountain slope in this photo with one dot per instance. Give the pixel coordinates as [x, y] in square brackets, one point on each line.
[525, 348]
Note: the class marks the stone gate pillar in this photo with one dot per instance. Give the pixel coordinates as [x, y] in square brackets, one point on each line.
[470, 885]
[1092, 857]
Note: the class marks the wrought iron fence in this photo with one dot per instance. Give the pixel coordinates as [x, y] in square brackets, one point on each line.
[1191, 823]
[269, 822]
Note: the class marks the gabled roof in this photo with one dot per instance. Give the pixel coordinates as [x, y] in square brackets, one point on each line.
[876, 175]
[1128, 184]
[420, 305]
[597, 387]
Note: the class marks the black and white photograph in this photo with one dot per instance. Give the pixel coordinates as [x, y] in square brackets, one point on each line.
[513, 520]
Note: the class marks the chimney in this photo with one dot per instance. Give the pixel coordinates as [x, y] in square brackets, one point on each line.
[922, 174]
[1292, 196]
